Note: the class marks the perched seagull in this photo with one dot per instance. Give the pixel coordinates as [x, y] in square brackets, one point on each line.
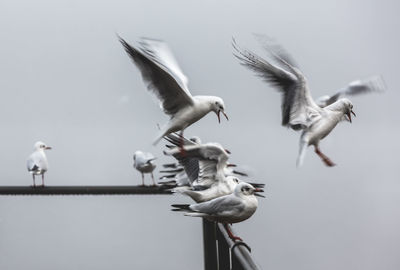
[299, 110]
[233, 208]
[143, 162]
[205, 165]
[163, 76]
[358, 87]
[37, 162]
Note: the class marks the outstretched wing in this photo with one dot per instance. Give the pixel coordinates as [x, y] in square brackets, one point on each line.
[211, 157]
[162, 74]
[365, 86]
[298, 108]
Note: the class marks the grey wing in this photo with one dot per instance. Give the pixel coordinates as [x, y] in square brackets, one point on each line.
[225, 205]
[37, 162]
[365, 86]
[161, 73]
[298, 108]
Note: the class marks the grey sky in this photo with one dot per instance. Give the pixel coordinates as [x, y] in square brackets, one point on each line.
[66, 80]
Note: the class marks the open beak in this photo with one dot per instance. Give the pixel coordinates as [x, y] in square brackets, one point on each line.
[256, 192]
[349, 115]
[219, 118]
[47, 148]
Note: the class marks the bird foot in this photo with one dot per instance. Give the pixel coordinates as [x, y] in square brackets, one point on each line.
[328, 162]
[236, 238]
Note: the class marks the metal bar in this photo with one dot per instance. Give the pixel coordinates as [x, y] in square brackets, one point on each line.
[224, 260]
[210, 245]
[82, 190]
[241, 256]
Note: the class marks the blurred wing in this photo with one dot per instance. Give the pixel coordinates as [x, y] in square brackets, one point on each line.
[211, 159]
[161, 73]
[369, 85]
[298, 108]
[270, 45]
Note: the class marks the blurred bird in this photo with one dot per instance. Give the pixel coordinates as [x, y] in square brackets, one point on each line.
[299, 110]
[163, 76]
[205, 166]
[143, 162]
[37, 162]
[373, 84]
[233, 208]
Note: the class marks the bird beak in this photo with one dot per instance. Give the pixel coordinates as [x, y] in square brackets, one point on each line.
[257, 194]
[229, 152]
[349, 115]
[47, 148]
[219, 118]
[230, 164]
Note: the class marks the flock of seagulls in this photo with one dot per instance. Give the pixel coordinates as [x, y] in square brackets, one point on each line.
[202, 171]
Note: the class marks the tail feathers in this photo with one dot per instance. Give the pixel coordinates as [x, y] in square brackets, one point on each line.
[181, 207]
[302, 152]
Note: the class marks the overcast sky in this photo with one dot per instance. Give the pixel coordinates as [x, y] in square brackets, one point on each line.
[66, 80]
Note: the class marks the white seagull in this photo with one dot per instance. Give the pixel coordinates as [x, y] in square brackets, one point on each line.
[233, 208]
[143, 162]
[37, 162]
[299, 110]
[205, 166]
[163, 76]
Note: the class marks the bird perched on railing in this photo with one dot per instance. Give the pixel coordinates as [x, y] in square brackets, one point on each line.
[206, 168]
[163, 76]
[144, 163]
[299, 110]
[37, 162]
[233, 208]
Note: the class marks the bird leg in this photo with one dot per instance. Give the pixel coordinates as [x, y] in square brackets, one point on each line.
[34, 184]
[43, 180]
[142, 179]
[230, 234]
[324, 158]
[152, 177]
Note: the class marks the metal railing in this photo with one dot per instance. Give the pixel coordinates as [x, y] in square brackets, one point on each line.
[220, 252]
[82, 190]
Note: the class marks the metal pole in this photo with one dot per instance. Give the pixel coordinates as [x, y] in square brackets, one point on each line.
[82, 190]
[224, 261]
[210, 245]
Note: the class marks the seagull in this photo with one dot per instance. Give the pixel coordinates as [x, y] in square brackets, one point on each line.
[233, 208]
[143, 162]
[163, 76]
[369, 85]
[299, 110]
[37, 162]
[205, 166]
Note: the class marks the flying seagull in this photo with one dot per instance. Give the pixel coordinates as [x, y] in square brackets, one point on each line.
[163, 76]
[233, 208]
[143, 162]
[299, 110]
[37, 162]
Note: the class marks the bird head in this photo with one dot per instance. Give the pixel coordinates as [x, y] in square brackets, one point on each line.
[348, 109]
[245, 189]
[41, 146]
[218, 106]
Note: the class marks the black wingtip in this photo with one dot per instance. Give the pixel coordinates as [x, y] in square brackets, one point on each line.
[180, 207]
